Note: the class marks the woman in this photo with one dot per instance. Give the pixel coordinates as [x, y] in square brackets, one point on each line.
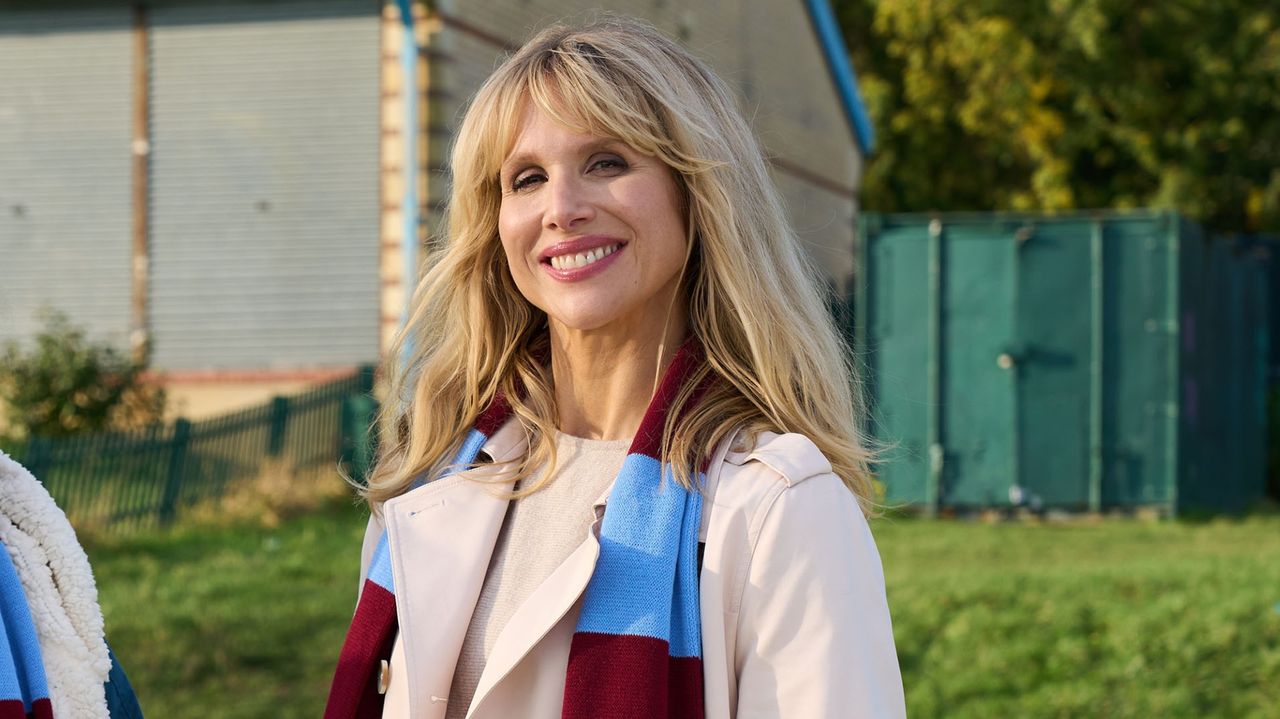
[647, 488]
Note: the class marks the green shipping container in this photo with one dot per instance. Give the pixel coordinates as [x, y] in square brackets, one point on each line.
[1079, 361]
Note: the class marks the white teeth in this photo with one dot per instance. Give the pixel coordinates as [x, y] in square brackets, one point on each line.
[582, 259]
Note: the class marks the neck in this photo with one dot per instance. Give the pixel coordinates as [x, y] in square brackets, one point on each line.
[605, 378]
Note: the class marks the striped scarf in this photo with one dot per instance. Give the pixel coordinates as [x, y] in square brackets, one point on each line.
[637, 649]
[24, 692]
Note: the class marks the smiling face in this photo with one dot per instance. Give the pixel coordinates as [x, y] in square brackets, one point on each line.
[592, 229]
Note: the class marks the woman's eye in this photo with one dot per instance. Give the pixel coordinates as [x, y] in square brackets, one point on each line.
[526, 180]
[609, 164]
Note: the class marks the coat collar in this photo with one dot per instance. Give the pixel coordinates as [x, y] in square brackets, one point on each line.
[442, 537]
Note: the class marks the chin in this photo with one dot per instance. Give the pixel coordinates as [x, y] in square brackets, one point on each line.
[583, 319]
[587, 323]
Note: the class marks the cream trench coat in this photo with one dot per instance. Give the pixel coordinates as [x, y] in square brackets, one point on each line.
[794, 618]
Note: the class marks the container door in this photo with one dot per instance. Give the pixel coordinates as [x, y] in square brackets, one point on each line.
[897, 301]
[1057, 313]
[978, 366]
[1139, 363]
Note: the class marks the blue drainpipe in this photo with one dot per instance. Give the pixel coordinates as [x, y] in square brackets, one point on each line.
[828, 31]
[408, 165]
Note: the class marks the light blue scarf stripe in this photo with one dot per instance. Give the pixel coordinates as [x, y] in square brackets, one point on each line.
[380, 565]
[470, 447]
[686, 620]
[631, 591]
[21, 667]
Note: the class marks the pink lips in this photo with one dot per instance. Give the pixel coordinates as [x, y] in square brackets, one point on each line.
[575, 246]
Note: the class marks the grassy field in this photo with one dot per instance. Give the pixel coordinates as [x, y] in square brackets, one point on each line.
[239, 621]
[1115, 619]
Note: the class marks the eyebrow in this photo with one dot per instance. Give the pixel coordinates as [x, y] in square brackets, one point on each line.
[527, 158]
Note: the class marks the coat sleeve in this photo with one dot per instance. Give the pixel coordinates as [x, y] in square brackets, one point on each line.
[814, 635]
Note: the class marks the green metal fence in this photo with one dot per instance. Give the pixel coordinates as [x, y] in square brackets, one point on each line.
[128, 480]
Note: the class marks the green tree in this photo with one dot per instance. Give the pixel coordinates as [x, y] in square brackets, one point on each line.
[1061, 104]
[65, 384]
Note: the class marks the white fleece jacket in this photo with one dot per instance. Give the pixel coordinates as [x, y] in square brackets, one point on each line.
[58, 581]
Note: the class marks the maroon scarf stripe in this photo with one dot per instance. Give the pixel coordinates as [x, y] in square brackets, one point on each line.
[493, 416]
[605, 679]
[354, 692]
[15, 709]
[684, 688]
[688, 358]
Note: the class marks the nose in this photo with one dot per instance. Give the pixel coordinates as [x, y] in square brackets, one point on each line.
[568, 205]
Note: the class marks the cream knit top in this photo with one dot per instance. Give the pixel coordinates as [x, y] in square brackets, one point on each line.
[540, 531]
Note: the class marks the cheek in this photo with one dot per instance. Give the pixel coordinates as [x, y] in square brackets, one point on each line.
[509, 235]
[669, 224]
[507, 247]
[516, 254]
[666, 194]
[519, 270]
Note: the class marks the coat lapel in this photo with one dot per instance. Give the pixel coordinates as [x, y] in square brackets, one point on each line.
[441, 537]
[534, 618]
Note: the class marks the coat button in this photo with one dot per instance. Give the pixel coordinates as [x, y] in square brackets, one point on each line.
[384, 677]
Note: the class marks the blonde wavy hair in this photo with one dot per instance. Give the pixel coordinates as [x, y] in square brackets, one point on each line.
[753, 300]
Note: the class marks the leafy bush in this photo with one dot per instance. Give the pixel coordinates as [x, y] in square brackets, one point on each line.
[65, 385]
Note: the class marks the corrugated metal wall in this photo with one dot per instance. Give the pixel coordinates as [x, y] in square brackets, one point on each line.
[65, 130]
[264, 213]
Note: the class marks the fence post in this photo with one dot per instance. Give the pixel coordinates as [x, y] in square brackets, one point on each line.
[37, 457]
[366, 379]
[279, 425]
[357, 438]
[177, 470]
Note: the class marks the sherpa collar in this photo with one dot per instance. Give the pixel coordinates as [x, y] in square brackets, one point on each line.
[61, 595]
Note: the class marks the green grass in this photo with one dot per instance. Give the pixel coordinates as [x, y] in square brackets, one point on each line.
[1118, 619]
[233, 622]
